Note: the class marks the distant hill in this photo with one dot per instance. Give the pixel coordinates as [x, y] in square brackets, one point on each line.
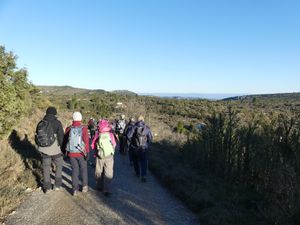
[69, 90]
[63, 90]
[124, 92]
[278, 96]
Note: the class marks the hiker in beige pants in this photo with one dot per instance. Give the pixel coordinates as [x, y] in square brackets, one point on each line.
[105, 143]
[104, 173]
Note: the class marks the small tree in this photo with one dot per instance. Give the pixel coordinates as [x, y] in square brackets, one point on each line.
[15, 96]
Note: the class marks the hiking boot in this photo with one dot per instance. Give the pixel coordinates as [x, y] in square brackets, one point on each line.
[144, 179]
[75, 193]
[47, 191]
[85, 189]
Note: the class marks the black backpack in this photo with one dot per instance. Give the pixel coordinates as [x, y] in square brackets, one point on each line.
[140, 139]
[44, 136]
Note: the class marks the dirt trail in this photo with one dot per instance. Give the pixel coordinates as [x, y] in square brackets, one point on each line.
[132, 202]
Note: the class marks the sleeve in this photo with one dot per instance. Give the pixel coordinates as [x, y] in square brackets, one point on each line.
[65, 140]
[95, 140]
[86, 139]
[126, 129]
[60, 133]
[130, 133]
[149, 136]
[113, 139]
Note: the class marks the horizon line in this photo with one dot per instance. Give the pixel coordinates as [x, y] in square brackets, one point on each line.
[174, 93]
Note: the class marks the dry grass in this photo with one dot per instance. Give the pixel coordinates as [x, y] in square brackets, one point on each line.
[15, 179]
[20, 165]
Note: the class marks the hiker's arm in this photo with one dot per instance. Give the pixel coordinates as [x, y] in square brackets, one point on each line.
[95, 140]
[150, 137]
[130, 133]
[86, 139]
[65, 140]
[60, 134]
[113, 139]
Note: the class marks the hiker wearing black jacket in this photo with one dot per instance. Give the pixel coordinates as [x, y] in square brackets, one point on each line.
[119, 129]
[127, 130]
[52, 152]
[140, 137]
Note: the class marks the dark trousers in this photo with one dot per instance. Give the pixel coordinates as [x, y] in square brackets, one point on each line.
[122, 144]
[58, 161]
[92, 158]
[79, 164]
[140, 162]
[130, 154]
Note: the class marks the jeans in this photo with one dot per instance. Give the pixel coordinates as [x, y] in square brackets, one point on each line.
[58, 161]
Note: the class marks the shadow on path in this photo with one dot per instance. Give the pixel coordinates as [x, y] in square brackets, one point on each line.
[29, 153]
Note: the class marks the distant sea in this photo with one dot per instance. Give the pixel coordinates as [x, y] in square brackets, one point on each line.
[209, 96]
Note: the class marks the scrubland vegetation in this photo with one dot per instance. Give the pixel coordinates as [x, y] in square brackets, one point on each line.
[241, 166]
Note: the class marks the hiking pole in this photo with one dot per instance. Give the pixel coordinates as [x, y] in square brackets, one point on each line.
[83, 152]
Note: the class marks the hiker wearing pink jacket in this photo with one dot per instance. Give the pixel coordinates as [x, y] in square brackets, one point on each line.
[104, 142]
[103, 126]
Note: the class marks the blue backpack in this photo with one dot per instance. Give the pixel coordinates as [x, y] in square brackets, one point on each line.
[75, 142]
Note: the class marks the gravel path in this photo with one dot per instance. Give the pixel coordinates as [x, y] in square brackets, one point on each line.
[132, 202]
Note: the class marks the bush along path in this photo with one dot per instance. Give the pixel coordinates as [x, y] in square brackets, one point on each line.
[132, 202]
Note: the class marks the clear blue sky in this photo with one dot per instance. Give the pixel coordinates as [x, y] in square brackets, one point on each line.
[209, 46]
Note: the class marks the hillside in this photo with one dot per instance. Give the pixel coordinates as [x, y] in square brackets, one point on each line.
[69, 90]
[278, 97]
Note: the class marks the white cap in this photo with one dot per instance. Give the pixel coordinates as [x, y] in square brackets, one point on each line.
[77, 116]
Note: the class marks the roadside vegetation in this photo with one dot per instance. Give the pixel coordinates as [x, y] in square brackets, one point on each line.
[16, 170]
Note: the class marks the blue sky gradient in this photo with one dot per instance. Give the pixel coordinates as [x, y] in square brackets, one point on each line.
[173, 46]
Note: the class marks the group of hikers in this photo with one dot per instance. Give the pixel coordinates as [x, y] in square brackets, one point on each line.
[96, 142]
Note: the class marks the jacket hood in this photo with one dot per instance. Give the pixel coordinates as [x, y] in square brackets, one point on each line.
[50, 117]
[140, 123]
[104, 126]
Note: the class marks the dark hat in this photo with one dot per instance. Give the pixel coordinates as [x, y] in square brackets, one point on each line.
[51, 110]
